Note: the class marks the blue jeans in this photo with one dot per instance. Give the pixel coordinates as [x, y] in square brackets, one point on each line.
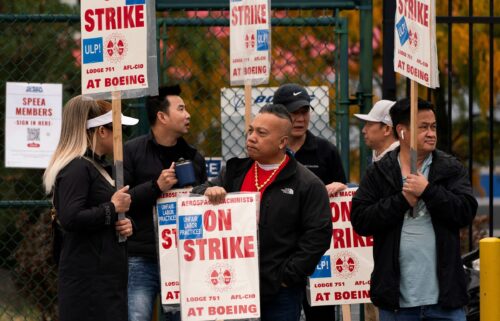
[423, 313]
[143, 288]
[285, 307]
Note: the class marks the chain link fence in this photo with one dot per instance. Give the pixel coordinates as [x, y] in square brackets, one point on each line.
[34, 49]
[193, 49]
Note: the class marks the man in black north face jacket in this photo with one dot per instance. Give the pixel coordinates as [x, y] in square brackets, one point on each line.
[295, 226]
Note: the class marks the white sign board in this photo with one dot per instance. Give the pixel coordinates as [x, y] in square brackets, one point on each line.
[33, 115]
[114, 45]
[250, 42]
[415, 50]
[218, 259]
[233, 115]
[343, 274]
[166, 210]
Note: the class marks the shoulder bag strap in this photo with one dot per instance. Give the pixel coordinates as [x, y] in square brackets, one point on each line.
[101, 170]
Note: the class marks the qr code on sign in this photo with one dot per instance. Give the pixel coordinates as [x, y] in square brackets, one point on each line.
[34, 134]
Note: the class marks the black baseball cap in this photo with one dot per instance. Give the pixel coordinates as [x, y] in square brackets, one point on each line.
[292, 96]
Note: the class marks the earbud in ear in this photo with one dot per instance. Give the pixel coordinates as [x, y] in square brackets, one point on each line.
[402, 134]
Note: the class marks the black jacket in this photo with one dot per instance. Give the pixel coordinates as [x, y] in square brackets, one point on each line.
[143, 161]
[378, 209]
[92, 275]
[295, 226]
[322, 158]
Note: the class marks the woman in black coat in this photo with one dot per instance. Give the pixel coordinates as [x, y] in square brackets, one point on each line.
[92, 271]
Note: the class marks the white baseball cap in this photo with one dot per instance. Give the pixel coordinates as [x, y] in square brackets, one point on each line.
[379, 112]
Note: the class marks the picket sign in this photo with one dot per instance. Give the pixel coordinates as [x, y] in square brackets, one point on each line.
[342, 276]
[249, 49]
[415, 55]
[115, 43]
[166, 223]
[218, 257]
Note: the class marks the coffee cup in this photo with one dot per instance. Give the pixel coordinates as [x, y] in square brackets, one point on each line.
[184, 171]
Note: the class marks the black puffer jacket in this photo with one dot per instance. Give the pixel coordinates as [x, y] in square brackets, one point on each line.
[378, 209]
[295, 226]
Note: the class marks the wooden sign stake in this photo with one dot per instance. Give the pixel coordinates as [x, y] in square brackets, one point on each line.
[116, 104]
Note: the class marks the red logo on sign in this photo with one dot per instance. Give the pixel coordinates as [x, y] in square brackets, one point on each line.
[116, 47]
[413, 38]
[346, 264]
[250, 41]
[221, 276]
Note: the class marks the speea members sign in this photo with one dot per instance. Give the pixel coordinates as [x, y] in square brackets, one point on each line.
[250, 42]
[342, 276]
[33, 114]
[114, 45]
[415, 50]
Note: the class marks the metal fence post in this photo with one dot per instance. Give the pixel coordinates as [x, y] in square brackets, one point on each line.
[366, 72]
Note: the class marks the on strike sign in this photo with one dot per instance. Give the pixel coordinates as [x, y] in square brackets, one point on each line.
[250, 42]
[415, 50]
[343, 274]
[218, 259]
[114, 45]
[166, 209]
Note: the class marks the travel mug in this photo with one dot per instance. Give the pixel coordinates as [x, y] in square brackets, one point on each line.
[184, 171]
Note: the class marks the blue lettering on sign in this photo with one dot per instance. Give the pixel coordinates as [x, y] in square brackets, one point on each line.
[167, 213]
[238, 101]
[262, 40]
[190, 227]
[34, 89]
[402, 31]
[323, 269]
[261, 99]
[213, 167]
[132, 2]
[92, 50]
